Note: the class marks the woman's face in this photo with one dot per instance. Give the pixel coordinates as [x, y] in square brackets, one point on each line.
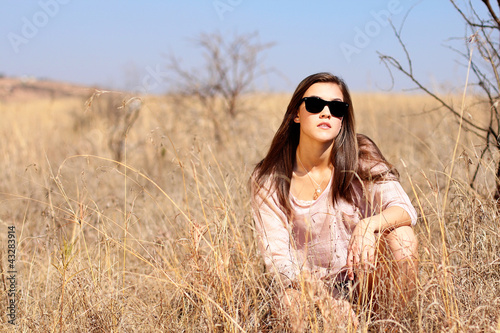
[321, 127]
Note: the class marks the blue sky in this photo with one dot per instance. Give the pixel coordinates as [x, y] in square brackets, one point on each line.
[116, 43]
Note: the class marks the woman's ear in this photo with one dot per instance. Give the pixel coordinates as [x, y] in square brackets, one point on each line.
[296, 119]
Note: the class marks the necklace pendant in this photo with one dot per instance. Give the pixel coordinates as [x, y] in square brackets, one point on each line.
[317, 193]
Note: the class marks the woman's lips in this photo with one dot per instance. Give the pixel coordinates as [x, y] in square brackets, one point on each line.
[324, 125]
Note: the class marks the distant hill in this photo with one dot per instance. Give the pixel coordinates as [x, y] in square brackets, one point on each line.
[18, 89]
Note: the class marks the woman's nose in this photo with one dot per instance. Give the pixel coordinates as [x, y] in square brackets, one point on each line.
[325, 113]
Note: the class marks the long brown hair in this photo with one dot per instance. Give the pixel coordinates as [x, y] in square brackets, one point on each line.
[280, 159]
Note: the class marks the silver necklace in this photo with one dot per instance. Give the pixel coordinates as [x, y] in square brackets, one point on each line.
[318, 190]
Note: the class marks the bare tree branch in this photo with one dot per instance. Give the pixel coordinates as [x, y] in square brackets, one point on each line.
[229, 69]
[492, 12]
[470, 23]
[485, 33]
[394, 63]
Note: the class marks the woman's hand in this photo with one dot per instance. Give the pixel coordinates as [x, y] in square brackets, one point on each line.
[361, 249]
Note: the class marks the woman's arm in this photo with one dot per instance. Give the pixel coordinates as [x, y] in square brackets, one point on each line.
[273, 237]
[361, 251]
[390, 218]
[394, 210]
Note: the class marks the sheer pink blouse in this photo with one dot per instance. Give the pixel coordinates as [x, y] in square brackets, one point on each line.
[316, 237]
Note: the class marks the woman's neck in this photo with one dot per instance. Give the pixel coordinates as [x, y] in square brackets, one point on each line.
[312, 168]
[314, 157]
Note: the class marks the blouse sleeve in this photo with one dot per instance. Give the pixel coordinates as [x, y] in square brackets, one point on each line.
[390, 193]
[273, 236]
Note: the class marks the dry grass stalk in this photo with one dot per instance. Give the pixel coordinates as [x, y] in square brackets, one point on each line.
[162, 241]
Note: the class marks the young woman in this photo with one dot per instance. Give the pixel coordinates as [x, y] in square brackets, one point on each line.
[324, 199]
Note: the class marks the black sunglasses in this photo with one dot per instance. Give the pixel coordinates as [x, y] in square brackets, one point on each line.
[316, 105]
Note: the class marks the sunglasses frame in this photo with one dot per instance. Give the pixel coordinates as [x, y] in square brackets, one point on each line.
[337, 108]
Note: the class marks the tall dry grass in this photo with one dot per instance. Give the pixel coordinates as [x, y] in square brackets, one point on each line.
[162, 240]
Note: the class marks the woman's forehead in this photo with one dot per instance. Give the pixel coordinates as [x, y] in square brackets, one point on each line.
[325, 90]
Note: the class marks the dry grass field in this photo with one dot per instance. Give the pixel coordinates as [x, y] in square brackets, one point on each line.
[136, 218]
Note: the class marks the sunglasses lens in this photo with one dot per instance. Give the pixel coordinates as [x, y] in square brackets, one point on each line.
[338, 109]
[314, 104]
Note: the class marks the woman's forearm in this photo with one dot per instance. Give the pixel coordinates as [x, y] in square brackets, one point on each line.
[388, 219]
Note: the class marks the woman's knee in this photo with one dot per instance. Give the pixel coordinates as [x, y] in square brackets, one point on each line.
[402, 243]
